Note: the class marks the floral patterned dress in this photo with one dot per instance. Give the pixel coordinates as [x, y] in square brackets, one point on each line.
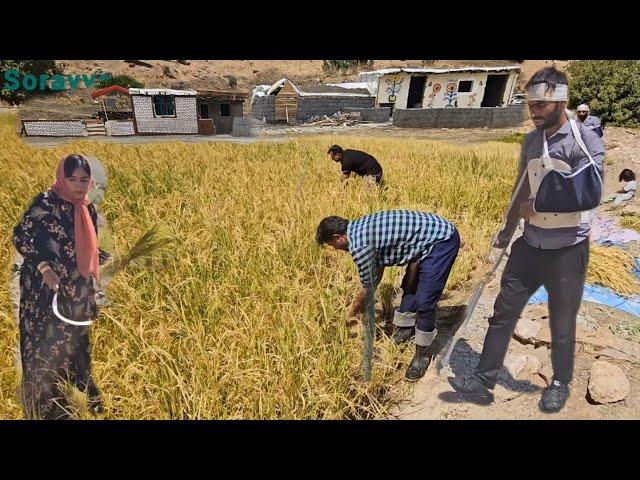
[52, 351]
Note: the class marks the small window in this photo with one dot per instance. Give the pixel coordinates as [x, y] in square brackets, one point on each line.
[204, 110]
[465, 86]
[225, 110]
[164, 106]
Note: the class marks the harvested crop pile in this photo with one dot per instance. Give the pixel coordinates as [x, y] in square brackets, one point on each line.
[612, 267]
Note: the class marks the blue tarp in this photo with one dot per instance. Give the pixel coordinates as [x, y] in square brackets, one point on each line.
[601, 295]
[606, 232]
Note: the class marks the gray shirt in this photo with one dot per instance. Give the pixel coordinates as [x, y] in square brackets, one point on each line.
[563, 146]
[593, 123]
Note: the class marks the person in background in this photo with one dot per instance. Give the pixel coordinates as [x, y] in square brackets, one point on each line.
[590, 121]
[357, 162]
[628, 190]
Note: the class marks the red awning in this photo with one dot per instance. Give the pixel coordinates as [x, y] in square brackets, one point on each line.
[105, 91]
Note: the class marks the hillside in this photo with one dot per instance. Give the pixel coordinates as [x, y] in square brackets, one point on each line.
[216, 74]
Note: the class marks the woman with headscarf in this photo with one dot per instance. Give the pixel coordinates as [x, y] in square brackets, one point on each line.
[58, 239]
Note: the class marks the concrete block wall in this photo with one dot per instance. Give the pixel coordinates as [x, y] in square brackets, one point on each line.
[310, 106]
[241, 127]
[185, 121]
[119, 127]
[459, 117]
[376, 115]
[264, 108]
[70, 128]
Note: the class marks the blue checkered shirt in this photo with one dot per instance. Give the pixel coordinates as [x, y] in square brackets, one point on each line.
[394, 237]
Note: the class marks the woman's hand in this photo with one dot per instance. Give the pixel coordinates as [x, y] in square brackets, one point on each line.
[52, 279]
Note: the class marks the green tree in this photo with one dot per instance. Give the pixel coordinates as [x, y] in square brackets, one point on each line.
[34, 67]
[610, 87]
[125, 81]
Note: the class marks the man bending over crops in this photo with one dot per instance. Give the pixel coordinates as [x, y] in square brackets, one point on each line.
[355, 161]
[561, 173]
[426, 243]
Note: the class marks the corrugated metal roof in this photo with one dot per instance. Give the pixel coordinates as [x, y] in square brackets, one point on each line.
[388, 71]
[160, 91]
[280, 83]
[352, 85]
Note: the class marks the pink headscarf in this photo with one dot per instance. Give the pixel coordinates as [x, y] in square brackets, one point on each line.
[86, 241]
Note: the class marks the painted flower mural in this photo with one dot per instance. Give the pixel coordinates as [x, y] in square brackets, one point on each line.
[394, 85]
[451, 95]
[434, 91]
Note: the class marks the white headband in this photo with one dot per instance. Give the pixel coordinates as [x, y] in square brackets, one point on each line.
[541, 92]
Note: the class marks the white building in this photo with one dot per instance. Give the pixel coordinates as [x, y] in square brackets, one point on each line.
[470, 87]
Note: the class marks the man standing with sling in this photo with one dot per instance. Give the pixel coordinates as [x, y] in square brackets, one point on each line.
[563, 160]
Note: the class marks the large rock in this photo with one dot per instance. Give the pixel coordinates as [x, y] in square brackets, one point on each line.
[612, 354]
[522, 366]
[527, 330]
[530, 331]
[542, 353]
[607, 383]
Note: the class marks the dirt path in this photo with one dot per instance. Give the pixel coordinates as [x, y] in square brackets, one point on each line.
[275, 133]
[434, 398]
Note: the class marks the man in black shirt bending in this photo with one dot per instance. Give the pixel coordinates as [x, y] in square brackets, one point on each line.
[355, 161]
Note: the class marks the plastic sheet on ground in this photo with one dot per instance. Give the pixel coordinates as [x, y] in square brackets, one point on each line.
[606, 232]
[600, 295]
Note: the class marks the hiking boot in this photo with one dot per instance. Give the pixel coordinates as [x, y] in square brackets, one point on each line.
[419, 364]
[554, 397]
[472, 384]
[402, 334]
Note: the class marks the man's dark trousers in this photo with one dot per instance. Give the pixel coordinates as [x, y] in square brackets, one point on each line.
[562, 272]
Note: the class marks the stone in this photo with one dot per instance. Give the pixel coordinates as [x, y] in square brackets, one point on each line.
[527, 330]
[607, 383]
[542, 353]
[546, 372]
[538, 381]
[522, 366]
[169, 71]
[610, 353]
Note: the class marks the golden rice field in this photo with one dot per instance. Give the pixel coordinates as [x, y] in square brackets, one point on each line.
[245, 317]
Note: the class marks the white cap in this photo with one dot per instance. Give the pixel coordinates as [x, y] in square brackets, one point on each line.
[583, 107]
